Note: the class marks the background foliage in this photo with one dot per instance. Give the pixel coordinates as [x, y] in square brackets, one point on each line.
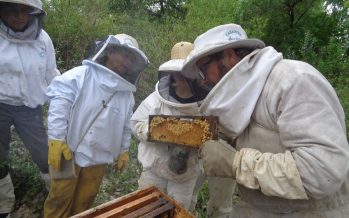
[315, 31]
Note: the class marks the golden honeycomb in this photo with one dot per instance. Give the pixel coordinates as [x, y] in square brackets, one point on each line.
[189, 131]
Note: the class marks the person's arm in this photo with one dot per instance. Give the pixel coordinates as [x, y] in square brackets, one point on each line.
[127, 132]
[123, 157]
[51, 66]
[311, 125]
[139, 120]
[310, 122]
[62, 93]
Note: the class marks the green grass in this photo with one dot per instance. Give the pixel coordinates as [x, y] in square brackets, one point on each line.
[202, 200]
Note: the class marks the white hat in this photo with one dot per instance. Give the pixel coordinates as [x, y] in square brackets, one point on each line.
[215, 40]
[33, 3]
[127, 39]
[178, 54]
[130, 45]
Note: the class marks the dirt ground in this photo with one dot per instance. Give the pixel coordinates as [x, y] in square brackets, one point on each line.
[26, 212]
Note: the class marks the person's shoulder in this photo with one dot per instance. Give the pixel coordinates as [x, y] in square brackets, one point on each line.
[43, 36]
[75, 72]
[153, 96]
[288, 72]
[78, 69]
[296, 67]
[151, 99]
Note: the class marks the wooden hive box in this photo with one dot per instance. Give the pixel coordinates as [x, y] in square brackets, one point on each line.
[190, 131]
[145, 203]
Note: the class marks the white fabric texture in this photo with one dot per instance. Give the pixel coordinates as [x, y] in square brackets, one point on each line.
[181, 192]
[26, 70]
[34, 3]
[154, 157]
[244, 210]
[305, 117]
[7, 196]
[75, 99]
[274, 174]
[297, 111]
[244, 84]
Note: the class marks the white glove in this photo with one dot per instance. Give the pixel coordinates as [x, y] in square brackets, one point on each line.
[218, 158]
[141, 130]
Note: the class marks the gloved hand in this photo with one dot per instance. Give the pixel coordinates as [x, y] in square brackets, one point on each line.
[179, 157]
[218, 158]
[55, 150]
[122, 162]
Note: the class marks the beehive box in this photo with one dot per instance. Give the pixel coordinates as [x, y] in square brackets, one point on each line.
[190, 131]
[145, 203]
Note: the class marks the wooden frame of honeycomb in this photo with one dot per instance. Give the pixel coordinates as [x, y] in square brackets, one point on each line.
[190, 131]
[149, 202]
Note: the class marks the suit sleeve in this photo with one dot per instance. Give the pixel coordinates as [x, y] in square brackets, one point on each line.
[127, 133]
[62, 93]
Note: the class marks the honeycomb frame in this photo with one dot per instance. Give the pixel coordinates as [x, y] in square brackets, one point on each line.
[189, 131]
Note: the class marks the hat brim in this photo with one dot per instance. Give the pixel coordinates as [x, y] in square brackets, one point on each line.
[36, 4]
[190, 69]
[172, 65]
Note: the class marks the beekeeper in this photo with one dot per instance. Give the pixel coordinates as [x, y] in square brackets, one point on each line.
[174, 169]
[291, 155]
[27, 66]
[89, 120]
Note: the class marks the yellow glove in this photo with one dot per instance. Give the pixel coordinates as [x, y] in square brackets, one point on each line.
[122, 161]
[55, 150]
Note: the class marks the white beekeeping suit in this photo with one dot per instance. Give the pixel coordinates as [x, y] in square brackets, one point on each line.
[159, 160]
[89, 119]
[27, 66]
[291, 152]
[90, 85]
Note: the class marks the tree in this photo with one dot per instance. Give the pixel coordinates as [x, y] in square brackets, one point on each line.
[157, 9]
[73, 24]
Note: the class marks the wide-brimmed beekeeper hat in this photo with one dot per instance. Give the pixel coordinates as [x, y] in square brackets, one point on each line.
[36, 4]
[215, 40]
[178, 54]
[124, 42]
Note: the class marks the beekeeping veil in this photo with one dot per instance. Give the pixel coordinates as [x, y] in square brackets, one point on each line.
[120, 43]
[35, 24]
[172, 68]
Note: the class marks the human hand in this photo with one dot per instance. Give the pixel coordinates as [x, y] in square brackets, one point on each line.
[218, 158]
[55, 150]
[122, 162]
